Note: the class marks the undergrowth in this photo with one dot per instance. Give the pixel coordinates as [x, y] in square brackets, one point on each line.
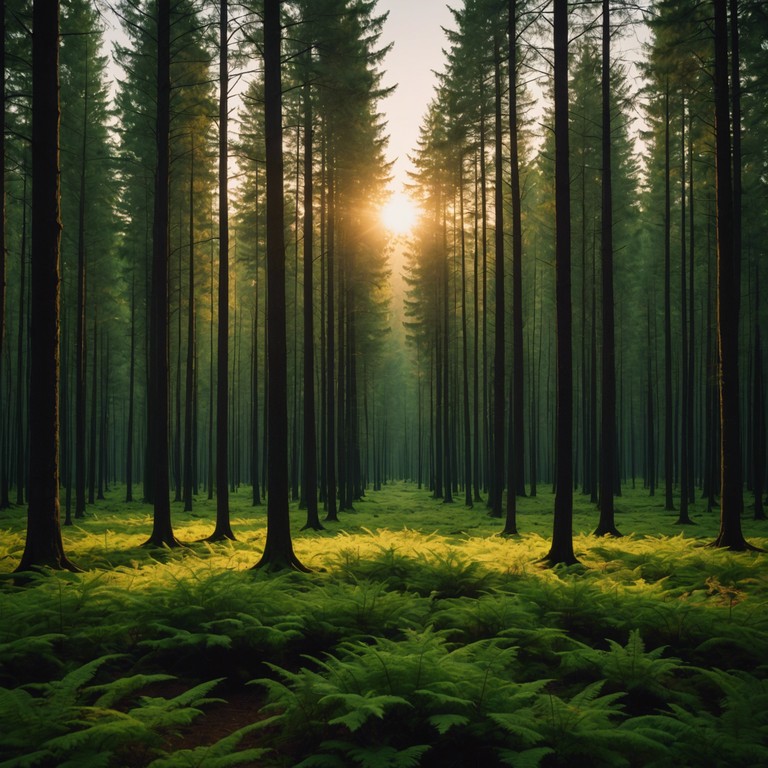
[420, 638]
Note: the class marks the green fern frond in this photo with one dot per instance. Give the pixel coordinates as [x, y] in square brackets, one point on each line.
[526, 758]
[222, 754]
[360, 708]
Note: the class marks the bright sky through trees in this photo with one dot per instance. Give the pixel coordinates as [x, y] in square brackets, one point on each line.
[416, 28]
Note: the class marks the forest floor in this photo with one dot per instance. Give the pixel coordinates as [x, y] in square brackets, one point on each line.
[420, 638]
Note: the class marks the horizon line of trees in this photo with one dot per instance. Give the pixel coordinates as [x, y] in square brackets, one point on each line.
[205, 346]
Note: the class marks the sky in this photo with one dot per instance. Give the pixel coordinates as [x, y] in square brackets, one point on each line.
[416, 29]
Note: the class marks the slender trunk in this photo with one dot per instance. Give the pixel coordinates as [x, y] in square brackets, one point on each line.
[131, 378]
[498, 356]
[278, 549]
[223, 529]
[94, 412]
[561, 550]
[683, 517]
[158, 411]
[310, 437]
[330, 438]
[465, 356]
[190, 366]
[516, 479]
[606, 524]
[21, 379]
[80, 348]
[758, 413]
[668, 454]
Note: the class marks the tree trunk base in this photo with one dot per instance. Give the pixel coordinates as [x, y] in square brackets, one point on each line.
[684, 520]
[274, 563]
[312, 525]
[157, 541]
[224, 534]
[554, 558]
[734, 543]
[607, 530]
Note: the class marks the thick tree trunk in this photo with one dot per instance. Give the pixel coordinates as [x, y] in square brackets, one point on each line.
[561, 550]
[728, 301]
[158, 410]
[278, 549]
[43, 546]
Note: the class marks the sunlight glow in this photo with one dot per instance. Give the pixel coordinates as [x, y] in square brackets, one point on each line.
[400, 213]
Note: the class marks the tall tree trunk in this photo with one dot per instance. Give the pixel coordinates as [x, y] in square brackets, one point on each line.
[223, 529]
[131, 406]
[4, 479]
[683, 517]
[43, 546]
[189, 381]
[465, 356]
[330, 436]
[758, 413]
[449, 441]
[310, 437]
[475, 349]
[94, 411]
[516, 480]
[668, 452]
[728, 300]
[499, 348]
[561, 550]
[21, 379]
[278, 549]
[607, 524]
[158, 408]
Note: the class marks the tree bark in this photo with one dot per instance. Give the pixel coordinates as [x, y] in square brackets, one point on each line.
[43, 546]
[498, 347]
[606, 523]
[278, 549]
[730, 535]
[310, 436]
[561, 550]
[223, 529]
[158, 405]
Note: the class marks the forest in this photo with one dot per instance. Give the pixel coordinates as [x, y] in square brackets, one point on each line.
[304, 464]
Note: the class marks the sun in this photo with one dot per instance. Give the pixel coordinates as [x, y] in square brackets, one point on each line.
[399, 214]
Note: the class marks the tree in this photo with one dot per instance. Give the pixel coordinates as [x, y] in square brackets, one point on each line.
[43, 545]
[606, 524]
[158, 407]
[310, 439]
[278, 548]
[223, 528]
[730, 535]
[561, 549]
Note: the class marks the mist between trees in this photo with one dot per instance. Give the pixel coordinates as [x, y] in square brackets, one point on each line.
[577, 306]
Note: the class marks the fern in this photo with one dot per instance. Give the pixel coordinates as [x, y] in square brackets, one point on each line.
[627, 667]
[223, 754]
[343, 754]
